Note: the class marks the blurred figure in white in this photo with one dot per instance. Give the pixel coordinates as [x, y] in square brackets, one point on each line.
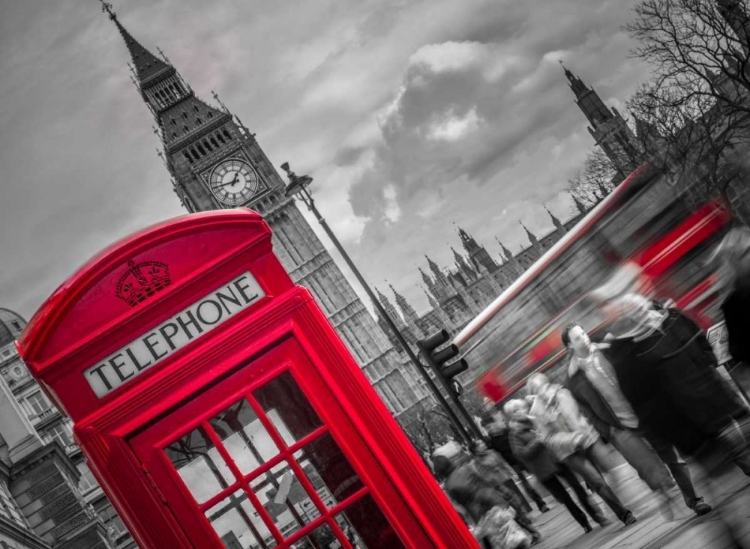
[529, 449]
[572, 439]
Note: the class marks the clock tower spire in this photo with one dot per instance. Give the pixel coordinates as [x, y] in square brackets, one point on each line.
[216, 163]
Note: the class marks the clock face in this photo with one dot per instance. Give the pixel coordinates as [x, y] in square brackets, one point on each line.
[233, 182]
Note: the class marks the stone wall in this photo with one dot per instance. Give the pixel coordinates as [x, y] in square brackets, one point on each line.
[44, 488]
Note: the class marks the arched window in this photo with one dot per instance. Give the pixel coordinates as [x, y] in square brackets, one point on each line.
[201, 149]
[199, 121]
[194, 153]
[195, 108]
[184, 115]
[186, 129]
[221, 138]
[174, 135]
[210, 114]
[226, 134]
[189, 159]
[174, 122]
[214, 143]
[207, 145]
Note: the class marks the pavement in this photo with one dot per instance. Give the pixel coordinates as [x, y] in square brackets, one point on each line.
[655, 528]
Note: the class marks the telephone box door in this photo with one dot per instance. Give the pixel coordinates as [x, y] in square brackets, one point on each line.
[258, 461]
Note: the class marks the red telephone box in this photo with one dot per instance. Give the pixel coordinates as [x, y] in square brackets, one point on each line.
[217, 406]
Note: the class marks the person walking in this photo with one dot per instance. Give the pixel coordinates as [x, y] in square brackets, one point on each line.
[467, 488]
[498, 433]
[494, 470]
[592, 381]
[667, 370]
[572, 439]
[528, 448]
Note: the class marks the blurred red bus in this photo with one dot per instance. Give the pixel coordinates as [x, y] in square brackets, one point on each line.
[643, 221]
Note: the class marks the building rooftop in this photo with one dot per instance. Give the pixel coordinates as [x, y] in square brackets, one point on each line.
[11, 326]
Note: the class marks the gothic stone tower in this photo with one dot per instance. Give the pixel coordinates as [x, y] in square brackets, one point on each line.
[608, 128]
[216, 163]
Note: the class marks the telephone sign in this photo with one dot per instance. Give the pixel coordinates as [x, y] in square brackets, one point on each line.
[217, 406]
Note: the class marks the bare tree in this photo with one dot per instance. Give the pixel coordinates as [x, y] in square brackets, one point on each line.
[595, 181]
[693, 118]
[692, 140]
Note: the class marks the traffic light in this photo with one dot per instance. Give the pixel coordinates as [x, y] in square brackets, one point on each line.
[438, 359]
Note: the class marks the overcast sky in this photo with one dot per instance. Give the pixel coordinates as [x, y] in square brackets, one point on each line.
[411, 116]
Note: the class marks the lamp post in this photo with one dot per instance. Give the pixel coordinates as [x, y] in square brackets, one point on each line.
[297, 188]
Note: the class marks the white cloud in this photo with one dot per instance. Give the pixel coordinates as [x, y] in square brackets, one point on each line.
[449, 56]
[453, 128]
[392, 210]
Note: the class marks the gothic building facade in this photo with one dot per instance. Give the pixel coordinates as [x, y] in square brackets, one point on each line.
[216, 163]
[608, 128]
[48, 496]
[458, 293]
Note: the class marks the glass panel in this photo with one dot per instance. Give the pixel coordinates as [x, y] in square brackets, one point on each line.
[329, 472]
[288, 408]
[363, 522]
[244, 436]
[282, 495]
[239, 525]
[320, 538]
[199, 465]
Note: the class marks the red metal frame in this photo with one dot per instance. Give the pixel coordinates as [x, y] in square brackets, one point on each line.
[122, 434]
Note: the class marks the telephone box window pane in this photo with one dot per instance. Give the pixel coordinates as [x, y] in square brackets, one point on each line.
[244, 436]
[238, 524]
[288, 408]
[283, 497]
[199, 465]
[364, 522]
[320, 538]
[328, 471]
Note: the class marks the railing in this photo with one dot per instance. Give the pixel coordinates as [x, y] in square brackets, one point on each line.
[47, 413]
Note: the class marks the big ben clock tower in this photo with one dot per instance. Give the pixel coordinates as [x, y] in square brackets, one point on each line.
[216, 163]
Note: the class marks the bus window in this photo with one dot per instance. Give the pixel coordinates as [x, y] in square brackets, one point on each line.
[653, 212]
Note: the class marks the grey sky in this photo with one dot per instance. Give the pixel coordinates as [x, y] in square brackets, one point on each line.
[410, 115]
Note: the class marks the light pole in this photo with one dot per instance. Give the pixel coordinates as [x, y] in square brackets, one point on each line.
[297, 187]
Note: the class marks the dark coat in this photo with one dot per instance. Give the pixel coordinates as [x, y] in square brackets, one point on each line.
[736, 309]
[592, 404]
[499, 441]
[671, 381]
[528, 448]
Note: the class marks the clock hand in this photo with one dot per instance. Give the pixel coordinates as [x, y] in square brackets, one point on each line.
[232, 182]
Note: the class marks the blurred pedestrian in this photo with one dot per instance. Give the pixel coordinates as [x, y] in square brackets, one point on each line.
[498, 433]
[528, 448]
[592, 380]
[494, 470]
[572, 439]
[467, 488]
[734, 255]
[667, 370]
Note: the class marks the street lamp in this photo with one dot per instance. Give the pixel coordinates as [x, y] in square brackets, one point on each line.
[298, 187]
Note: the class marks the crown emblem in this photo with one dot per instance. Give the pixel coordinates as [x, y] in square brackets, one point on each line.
[141, 281]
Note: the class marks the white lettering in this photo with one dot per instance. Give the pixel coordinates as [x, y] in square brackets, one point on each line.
[171, 335]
